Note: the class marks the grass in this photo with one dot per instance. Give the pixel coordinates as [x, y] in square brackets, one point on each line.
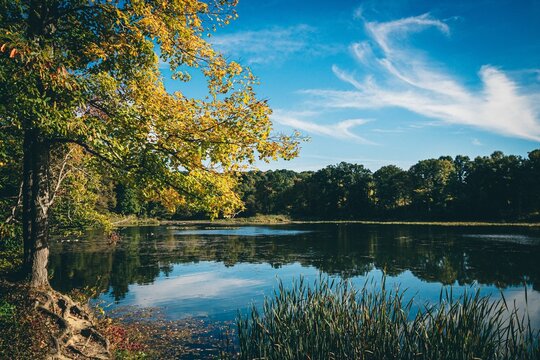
[262, 219]
[284, 219]
[131, 220]
[423, 223]
[333, 320]
[259, 219]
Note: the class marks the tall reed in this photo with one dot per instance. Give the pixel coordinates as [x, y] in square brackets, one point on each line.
[333, 320]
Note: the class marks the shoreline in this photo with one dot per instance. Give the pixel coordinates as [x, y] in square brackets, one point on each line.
[282, 220]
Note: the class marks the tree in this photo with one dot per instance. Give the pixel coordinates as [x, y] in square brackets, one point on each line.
[266, 192]
[532, 190]
[248, 190]
[457, 187]
[127, 201]
[494, 186]
[335, 192]
[79, 73]
[391, 187]
[430, 180]
[10, 188]
[84, 198]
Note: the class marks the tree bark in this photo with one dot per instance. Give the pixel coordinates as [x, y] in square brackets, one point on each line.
[36, 203]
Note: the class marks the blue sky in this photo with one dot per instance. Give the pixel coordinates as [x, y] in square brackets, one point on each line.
[393, 81]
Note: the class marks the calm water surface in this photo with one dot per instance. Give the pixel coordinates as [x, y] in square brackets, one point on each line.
[213, 271]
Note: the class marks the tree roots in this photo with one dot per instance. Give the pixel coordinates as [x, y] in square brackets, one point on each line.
[73, 334]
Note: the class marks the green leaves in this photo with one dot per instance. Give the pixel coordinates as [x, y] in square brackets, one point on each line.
[86, 74]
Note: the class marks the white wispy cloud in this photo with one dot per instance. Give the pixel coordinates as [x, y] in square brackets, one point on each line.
[272, 45]
[476, 142]
[340, 130]
[384, 33]
[388, 131]
[400, 76]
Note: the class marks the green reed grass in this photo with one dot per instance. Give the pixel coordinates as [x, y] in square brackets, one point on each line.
[333, 320]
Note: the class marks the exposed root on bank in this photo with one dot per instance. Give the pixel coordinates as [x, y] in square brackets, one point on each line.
[73, 332]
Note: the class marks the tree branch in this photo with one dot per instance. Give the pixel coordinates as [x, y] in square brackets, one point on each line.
[61, 176]
[12, 216]
[93, 152]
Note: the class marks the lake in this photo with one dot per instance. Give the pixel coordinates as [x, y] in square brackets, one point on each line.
[211, 272]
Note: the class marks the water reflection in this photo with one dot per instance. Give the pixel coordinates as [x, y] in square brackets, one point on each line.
[241, 231]
[203, 285]
[213, 271]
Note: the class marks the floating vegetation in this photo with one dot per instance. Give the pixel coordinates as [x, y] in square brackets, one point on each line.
[149, 329]
[334, 320]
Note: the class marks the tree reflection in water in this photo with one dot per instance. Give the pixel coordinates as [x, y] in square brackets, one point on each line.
[489, 256]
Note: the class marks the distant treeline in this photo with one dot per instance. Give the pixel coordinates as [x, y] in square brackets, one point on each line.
[490, 188]
[496, 187]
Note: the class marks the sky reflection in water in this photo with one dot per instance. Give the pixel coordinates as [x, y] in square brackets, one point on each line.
[213, 272]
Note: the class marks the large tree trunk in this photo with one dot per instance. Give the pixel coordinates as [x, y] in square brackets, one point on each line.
[36, 199]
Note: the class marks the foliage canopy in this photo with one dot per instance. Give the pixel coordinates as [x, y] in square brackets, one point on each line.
[85, 73]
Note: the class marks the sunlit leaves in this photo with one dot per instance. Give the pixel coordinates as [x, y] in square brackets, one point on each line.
[87, 73]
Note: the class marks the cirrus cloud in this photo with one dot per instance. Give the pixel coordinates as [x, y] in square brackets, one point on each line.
[400, 76]
[273, 45]
[339, 130]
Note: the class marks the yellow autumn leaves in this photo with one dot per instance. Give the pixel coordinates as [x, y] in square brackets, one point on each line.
[89, 76]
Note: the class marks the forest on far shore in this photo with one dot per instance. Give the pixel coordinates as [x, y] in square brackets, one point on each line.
[498, 187]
